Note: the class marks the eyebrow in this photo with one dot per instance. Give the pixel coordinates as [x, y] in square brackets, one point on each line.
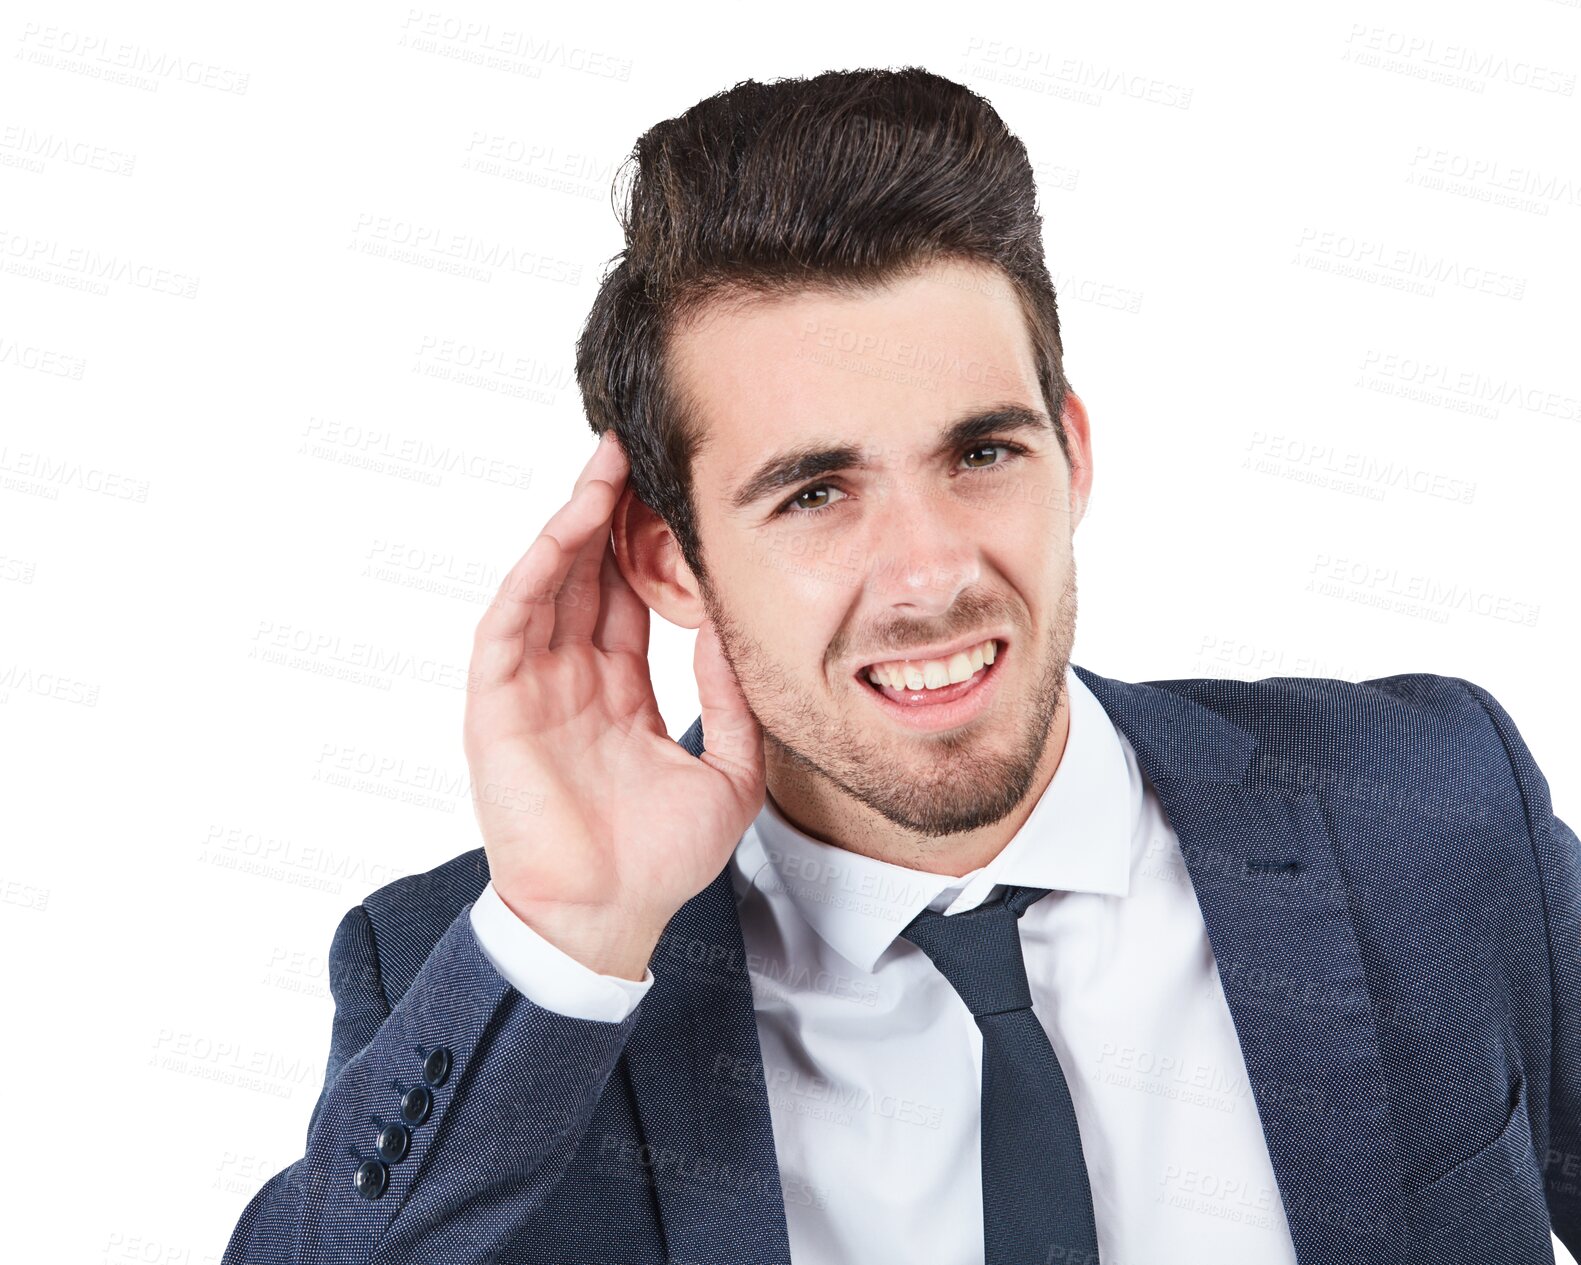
[810, 461]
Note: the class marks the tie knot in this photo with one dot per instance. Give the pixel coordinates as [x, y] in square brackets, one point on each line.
[979, 950]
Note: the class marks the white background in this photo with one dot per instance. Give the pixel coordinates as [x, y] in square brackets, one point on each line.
[1317, 275]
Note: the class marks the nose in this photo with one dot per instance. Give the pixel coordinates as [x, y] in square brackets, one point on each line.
[923, 553]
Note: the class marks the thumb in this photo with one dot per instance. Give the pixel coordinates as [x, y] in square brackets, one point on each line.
[730, 730]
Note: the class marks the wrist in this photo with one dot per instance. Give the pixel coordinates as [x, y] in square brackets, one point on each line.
[605, 940]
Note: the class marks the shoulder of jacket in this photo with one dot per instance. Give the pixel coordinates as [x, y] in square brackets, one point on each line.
[406, 917]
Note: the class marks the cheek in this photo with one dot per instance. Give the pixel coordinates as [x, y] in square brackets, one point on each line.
[805, 571]
[1030, 557]
[788, 594]
[1036, 521]
[1036, 495]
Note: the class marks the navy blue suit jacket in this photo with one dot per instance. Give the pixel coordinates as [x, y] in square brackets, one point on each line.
[1394, 910]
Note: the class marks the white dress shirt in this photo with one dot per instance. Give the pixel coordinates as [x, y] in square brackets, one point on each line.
[873, 1063]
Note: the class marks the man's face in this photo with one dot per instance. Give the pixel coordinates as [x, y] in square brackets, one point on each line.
[910, 547]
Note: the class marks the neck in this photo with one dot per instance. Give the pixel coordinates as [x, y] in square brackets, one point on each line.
[823, 811]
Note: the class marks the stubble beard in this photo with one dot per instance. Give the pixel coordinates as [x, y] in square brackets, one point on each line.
[932, 785]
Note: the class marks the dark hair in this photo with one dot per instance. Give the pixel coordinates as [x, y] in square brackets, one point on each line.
[841, 181]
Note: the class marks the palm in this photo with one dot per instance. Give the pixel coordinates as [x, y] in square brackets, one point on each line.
[586, 805]
[641, 806]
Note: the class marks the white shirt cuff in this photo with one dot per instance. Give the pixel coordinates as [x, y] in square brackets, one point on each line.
[546, 975]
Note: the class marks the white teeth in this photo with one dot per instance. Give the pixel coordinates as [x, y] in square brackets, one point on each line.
[932, 674]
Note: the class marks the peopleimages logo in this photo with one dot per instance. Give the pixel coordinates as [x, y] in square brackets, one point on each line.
[1404, 266]
[119, 61]
[1456, 65]
[1431, 381]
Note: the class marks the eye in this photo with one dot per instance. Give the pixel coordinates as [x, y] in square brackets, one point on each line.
[1010, 448]
[794, 508]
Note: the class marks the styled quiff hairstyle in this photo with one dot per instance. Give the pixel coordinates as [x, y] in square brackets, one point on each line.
[838, 182]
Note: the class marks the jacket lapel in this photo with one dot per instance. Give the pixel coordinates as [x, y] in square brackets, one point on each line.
[1273, 899]
[697, 1076]
[1274, 902]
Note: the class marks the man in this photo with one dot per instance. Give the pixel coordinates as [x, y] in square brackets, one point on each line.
[922, 944]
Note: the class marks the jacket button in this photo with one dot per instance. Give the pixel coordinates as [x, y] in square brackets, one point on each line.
[392, 1143]
[416, 1103]
[437, 1066]
[371, 1179]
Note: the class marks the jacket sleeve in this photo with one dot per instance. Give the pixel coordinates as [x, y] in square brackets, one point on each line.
[492, 1092]
[1558, 857]
[546, 973]
[1562, 1165]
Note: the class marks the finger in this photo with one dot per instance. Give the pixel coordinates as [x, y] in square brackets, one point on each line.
[623, 616]
[497, 641]
[580, 598]
[729, 727]
[587, 520]
[586, 523]
[521, 616]
[606, 459]
[577, 604]
[498, 644]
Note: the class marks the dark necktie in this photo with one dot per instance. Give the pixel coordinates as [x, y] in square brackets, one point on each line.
[1037, 1203]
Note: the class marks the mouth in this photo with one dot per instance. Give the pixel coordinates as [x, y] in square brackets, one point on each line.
[944, 707]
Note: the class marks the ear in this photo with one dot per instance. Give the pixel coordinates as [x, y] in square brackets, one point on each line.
[1078, 436]
[650, 558]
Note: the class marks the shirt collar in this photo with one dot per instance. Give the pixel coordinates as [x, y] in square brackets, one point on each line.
[1077, 838]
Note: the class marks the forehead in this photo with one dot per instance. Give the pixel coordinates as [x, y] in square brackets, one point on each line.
[887, 367]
